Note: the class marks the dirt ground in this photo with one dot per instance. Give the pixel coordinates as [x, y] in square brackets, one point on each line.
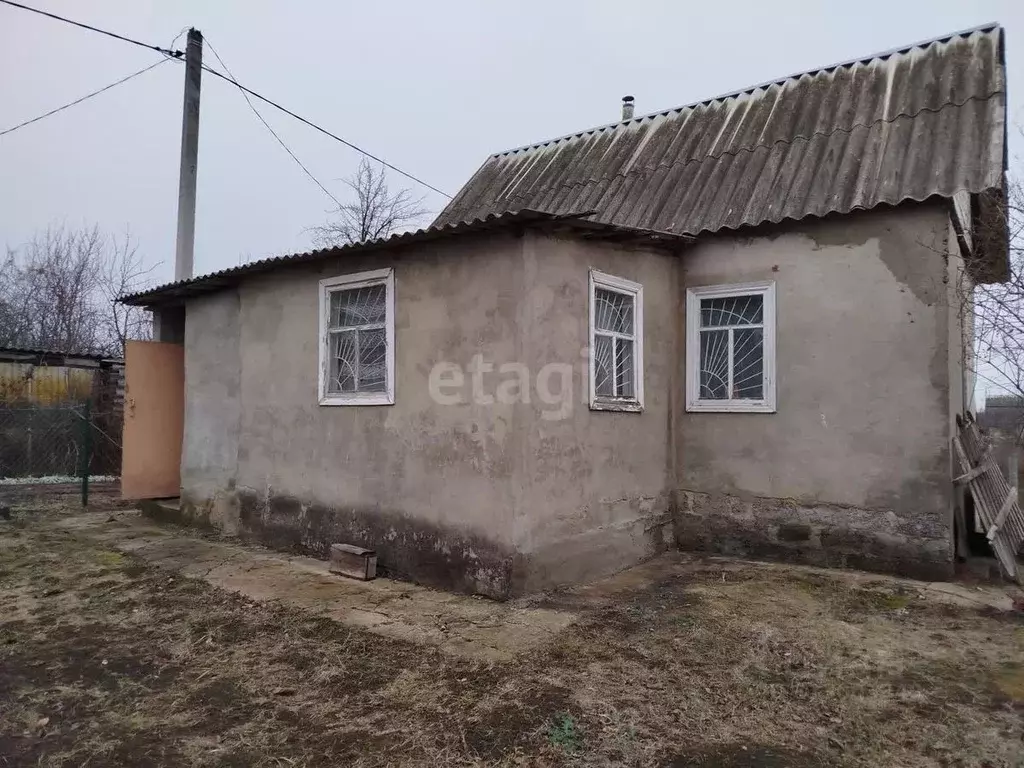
[461, 624]
[108, 659]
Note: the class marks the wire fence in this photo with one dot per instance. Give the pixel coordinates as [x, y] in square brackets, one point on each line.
[49, 443]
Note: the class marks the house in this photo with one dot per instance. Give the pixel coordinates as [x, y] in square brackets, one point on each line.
[1004, 413]
[736, 326]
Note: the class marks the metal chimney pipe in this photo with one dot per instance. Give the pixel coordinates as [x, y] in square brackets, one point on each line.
[627, 107]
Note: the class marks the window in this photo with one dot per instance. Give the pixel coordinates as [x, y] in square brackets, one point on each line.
[357, 339]
[616, 343]
[730, 348]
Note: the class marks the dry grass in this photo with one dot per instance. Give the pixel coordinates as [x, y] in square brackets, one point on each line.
[105, 661]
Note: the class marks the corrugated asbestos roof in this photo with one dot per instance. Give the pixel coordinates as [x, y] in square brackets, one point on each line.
[577, 222]
[909, 124]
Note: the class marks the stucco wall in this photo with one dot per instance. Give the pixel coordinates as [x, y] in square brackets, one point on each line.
[427, 485]
[857, 453]
[479, 491]
[496, 494]
[960, 298]
[213, 375]
[593, 497]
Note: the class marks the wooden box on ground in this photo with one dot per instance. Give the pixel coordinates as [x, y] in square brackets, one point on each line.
[349, 560]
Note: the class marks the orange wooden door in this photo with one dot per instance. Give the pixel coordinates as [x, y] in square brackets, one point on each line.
[154, 419]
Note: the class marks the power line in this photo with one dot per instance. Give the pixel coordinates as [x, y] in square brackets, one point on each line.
[324, 131]
[83, 98]
[178, 54]
[157, 48]
[177, 37]
[272, 131]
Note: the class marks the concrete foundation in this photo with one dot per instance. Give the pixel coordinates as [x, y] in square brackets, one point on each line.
[412, 549]
[816, 534]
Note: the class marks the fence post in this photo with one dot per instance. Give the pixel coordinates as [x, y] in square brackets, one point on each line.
[28, 444]
[86, 451]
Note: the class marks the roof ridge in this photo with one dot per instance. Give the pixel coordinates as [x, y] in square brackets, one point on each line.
[989, 27]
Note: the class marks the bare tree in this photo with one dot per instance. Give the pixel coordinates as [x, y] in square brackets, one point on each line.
[51, 287]
[59, 292]
[12, 315]
[993, 311]
[376, 212]
[122, 272]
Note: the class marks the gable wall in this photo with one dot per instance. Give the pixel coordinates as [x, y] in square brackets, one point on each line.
[854, 466]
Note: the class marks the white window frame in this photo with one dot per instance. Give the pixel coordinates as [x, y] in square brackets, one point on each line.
[636, 292]
[329, 285]
[693, 297]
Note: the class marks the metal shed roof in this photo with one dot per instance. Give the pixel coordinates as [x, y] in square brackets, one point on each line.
[577, 222]
[921, 121]
[56, 357]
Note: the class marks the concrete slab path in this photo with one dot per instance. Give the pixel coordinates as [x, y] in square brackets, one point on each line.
[461, 624]
[475, 627]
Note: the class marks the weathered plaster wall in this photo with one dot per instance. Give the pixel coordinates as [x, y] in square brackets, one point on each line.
[593, 495]
[501, 491]
[960, 298]
[213, 377]
[429, 486]
[169, 325]
[489, 488]
[854, 466]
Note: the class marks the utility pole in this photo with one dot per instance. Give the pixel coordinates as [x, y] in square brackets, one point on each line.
[189, 157]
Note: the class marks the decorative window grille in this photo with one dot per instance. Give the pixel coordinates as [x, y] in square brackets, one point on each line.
[616, 343]
[357, 339]
[731, 348]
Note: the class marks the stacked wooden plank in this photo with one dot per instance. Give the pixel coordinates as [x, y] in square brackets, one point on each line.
[995, 499]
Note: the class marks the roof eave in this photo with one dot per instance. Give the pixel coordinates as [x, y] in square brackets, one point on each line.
[578, 222]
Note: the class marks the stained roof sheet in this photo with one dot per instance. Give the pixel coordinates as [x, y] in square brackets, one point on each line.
[909, 124]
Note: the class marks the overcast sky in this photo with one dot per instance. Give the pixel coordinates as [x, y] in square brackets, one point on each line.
[433, 87]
